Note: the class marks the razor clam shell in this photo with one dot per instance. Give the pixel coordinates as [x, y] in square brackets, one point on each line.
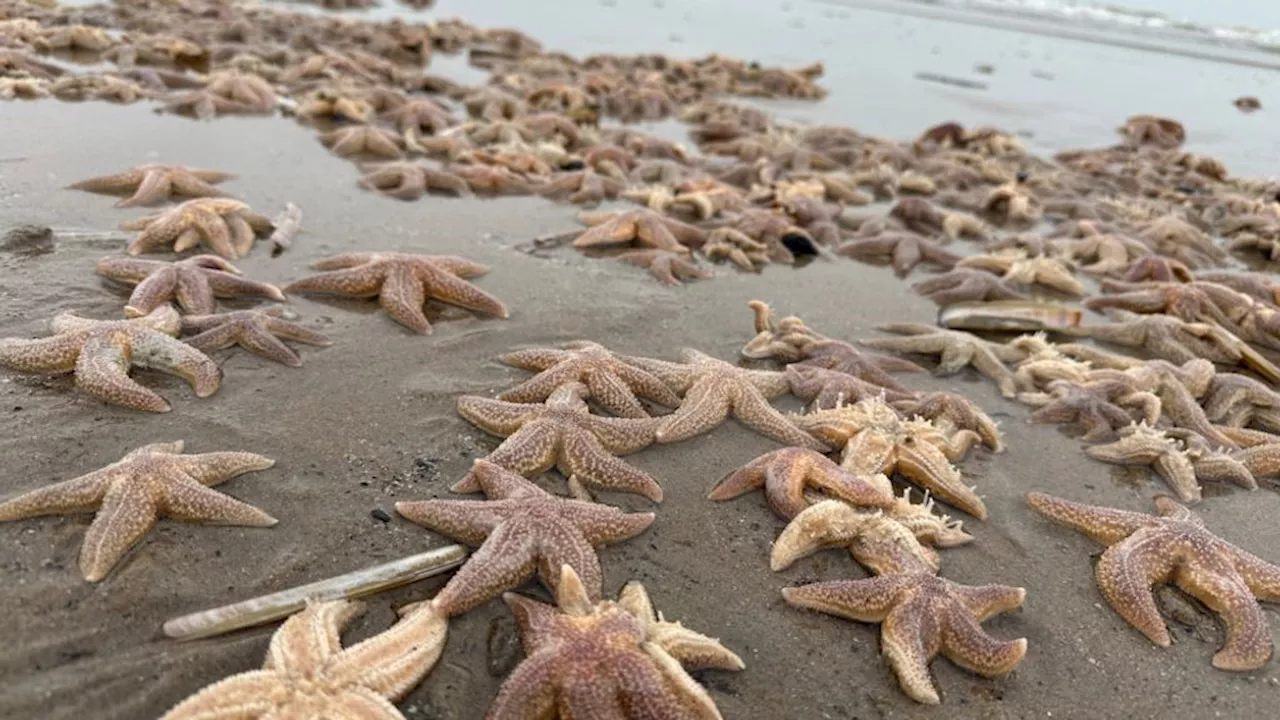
[1012, 315]
[266, 608]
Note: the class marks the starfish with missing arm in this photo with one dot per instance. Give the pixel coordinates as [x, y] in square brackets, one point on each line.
[101, 352]
[193, 283]
[563, 433]
[955, 349]
[966, 285]
[614, 385]
[713, 389]
[643, 228]
[257, 331]
[130, 493]
[228, 226]
[520, 530]
[618, 660]
[147, 184]
[307, 672]
[789, 340]
[921, 615]
[1175, 547]
[403, 283]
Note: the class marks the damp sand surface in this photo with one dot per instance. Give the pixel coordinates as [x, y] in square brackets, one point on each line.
[370, 421]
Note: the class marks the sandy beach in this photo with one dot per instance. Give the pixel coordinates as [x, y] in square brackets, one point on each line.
[371, 420]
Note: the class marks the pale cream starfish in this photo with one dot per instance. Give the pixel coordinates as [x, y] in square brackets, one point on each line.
[130, 493]
[713, 389]
[1175, 547]
[308, 674]
[402, 282]
[101, 352]
[193, 283]
[875, 539]
[146, 184]
[563, 433]
[955, 349]
[520, 529]
[226, 225]
[604, 660]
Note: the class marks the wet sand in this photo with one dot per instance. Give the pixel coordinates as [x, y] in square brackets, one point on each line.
[370, 421]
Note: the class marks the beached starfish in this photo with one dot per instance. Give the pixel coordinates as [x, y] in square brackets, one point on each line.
[520, 530]
[1235, 399]
[822, 388]
[226, 93]
[904, 250]
[1176, 238]
[944, 408]
[307, 672]
[614, 385]
[786, 474]
[921, 615]
[966, 285]
[667, 266]
[257, 331]
[582, 187]
[1016, 267]
[193, 283]
[228, 226]
[410, 181]
[351, 140]
[641, 228]
[563, 433]
[713, 389]
[402, 282]
[1179, 341]
[1157, 268]
[130, 493]
[147, 184]
[596, 660]
[101, 352]
[1104, 254]
[1175, 547]
[1143, 445]
[955, 349]
[875, 539]
[1100, 407]
[1194, 301]
[737, 247]
[789, 340]
[1259, 286]
[875, 440]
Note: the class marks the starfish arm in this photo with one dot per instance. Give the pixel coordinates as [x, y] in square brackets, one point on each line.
[587, 459]
[155, 185]
[1248, 643]
[530, 691]
[679, 696]
[196, 183]
[102, 371]
[457, 265]
[563, 548]
[605, 525]
[390, 664]
[449, 288]
[496, 416]
[470, 521]
[747, 478]
[1176, 469]
[256, 339]
[215, 230]
[192, 502]
[359, 281]
[157, 351]
[127, 513]
[402, 296]
[218, 337]
[535, 359]
[909, 640]
[540, 386]
[57, 354]
[308, 639]
[926, 466]
[1262, 577]
[906, 255]
[990, 366]
[869, 600]
[295, 332]
[506, 558]
[844, 485]
[154, 290]
[678, 377]
[226, 284]
[875, 540]
[192, 293]
[1105, 525]
[121, 182]
[705, 406]
[218, 467]
[528, 451]
[247, 695]
[966, 644]
[615, 395]
[345, 261]
[76, 495]
[1125, 574]
[621, 436]
[752, 409]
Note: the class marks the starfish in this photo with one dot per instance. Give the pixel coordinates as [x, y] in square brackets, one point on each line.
[922, 614]
[1194, 301]
[1104, 254]
[146, 184]
[966, 285]
[1157, 268]
[1261, 460]
[875, 539]
[1178, 341]
[226, 93]
[307, 672]
[101, 352]
[1017, 267]
[1176, 238]
[667, 266]
[1234, 399]
[951, 409]
[790, 340]
[130, 493]
[613, 384]
[955, 349]
[822, 388]
[364, 140]
[713, 389]
[402, 282]
[737, 247]
[228, 226]
[563, 433]
[423, 115]
[410, 181]
[904, 250]
[589, 660]
[643, 228]
[1175, 547]
[1100, 407]
[786, 474]
[582, 187]
[1259, 286]
[875, 440]
[518, 530]
[193, 283]
[254, 330]
[1143, 445]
